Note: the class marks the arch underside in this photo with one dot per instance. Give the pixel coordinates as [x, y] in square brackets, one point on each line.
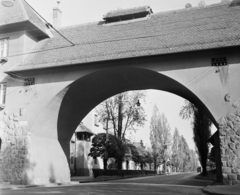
[87, 92]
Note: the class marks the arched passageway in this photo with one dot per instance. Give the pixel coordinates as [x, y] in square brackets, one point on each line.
[87, 92]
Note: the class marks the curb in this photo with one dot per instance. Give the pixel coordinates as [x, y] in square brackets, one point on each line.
[204, 178]
[222, 190]
[34, 186]
[117, 178]
[207, 192]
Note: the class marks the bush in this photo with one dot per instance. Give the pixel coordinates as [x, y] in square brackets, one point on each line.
[110, 172]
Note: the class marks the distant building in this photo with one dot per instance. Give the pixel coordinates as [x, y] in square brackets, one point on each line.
[80, 163]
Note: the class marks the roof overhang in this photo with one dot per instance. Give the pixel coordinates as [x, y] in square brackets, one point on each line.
[27, 26]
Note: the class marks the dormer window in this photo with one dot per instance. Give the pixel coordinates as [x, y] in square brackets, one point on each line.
[127, 14]
[3, 49]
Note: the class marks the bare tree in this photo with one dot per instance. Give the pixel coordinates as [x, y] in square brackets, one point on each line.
[122, 115]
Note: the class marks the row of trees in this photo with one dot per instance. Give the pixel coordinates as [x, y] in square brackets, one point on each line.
[201, 126]
[170, 149]
[183, 158]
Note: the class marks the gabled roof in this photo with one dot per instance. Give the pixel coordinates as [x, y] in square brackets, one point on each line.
[193, 29]
[82, 128]
[20, 12]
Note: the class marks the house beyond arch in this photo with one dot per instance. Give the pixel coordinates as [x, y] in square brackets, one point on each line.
[48, 84]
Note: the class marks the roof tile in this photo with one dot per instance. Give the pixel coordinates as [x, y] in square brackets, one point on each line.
[164, 33]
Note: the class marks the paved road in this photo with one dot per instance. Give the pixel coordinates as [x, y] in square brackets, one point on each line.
[156, 185]
[176, 179]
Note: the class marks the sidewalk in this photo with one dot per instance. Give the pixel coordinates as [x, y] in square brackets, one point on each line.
[74, 181]
[11, 186]
[222, 190]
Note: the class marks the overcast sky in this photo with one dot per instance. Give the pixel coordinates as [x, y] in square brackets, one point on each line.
[82, 11]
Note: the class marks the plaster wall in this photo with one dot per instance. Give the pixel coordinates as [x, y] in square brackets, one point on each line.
[28, 44]
[16, 40]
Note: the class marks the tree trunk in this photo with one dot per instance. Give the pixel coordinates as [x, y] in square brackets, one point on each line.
[204, 167]
[120, 117]
[105, 164]
[127, 164]
[119, 166]
[155, 164]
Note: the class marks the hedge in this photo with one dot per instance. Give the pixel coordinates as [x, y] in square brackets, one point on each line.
[111, 172]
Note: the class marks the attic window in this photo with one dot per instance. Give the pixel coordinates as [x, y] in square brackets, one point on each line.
[127, 14]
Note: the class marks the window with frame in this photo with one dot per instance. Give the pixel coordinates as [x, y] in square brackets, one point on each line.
[3, 48]
[3, 89]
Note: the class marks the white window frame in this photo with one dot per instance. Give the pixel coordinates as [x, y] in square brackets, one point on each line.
[4, 47]
[3, 92]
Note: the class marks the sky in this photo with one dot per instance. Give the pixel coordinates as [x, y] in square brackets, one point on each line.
[170, 105]
[83, 11]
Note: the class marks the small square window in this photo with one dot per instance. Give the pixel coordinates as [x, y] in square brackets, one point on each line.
[3, 48]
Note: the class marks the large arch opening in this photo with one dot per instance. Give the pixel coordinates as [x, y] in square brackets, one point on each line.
[87, 92]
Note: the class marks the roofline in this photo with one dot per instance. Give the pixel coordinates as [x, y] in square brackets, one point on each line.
[134, 57]
[182, 9]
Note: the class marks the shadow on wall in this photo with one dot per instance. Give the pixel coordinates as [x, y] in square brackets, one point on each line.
[81, 162]
[52, 178]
